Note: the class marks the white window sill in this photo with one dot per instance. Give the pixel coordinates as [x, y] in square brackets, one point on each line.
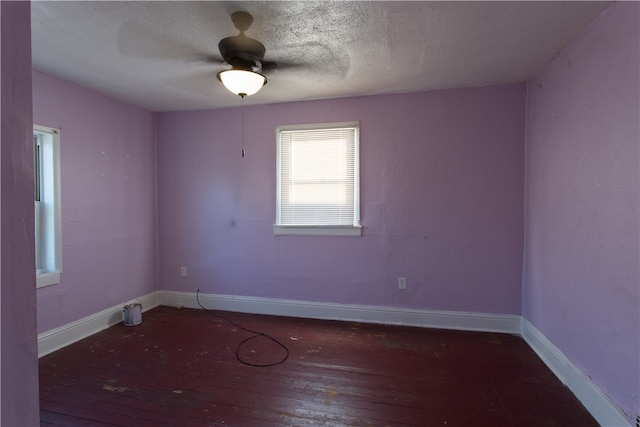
[296, 230]
[47, 279]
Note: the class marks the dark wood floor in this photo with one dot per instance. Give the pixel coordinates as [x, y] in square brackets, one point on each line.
[179, 368]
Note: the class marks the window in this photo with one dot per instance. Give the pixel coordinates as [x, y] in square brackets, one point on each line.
[47, 205]
[318, 191]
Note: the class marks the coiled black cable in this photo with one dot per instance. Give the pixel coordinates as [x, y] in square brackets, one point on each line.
[257, 334]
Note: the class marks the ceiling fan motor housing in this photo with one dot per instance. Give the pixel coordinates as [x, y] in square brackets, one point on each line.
[242, 52]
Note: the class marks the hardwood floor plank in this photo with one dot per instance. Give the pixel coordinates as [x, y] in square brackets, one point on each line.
[179, 368]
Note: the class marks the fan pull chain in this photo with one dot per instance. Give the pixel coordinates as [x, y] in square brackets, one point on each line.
[242, 126]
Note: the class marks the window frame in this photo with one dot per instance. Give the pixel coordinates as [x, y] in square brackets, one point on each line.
[354, 230]
[47, 210]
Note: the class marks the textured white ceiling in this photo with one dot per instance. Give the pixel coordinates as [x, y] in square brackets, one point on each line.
[150, 53]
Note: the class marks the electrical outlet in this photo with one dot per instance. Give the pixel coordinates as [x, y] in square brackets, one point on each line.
[183, 271]
[402, 283]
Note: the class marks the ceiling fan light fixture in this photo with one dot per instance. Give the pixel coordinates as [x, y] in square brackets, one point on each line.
[242, 82]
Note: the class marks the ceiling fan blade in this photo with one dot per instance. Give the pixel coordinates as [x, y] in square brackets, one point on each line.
[270, 67]
[200, 84]
[211, 59]
[314, 60]
[137, 40]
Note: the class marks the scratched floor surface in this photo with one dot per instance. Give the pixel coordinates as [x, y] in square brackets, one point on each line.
[179, 368]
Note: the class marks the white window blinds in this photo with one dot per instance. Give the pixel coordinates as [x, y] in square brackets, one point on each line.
[48, 244]
[318, 175]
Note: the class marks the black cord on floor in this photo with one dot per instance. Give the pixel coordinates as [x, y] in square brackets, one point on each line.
[257, 335]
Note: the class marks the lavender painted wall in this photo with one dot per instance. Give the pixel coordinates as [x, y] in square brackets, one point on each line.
[18, 347]
[108, 200]
[581, 275]
[442, 203]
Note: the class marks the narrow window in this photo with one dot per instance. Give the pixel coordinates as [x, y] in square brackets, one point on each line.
[318, 180]
[46, 167]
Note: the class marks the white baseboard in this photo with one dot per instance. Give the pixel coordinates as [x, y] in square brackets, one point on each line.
[55, 339]
[483, 322]
[596, 402]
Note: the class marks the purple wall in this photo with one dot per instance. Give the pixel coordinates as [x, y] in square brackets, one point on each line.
[109, 234]
[18, 347]
[581, 274]
[442, 203]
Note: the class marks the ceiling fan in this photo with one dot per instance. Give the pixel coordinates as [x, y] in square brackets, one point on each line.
[240, 58]
[246, 57]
